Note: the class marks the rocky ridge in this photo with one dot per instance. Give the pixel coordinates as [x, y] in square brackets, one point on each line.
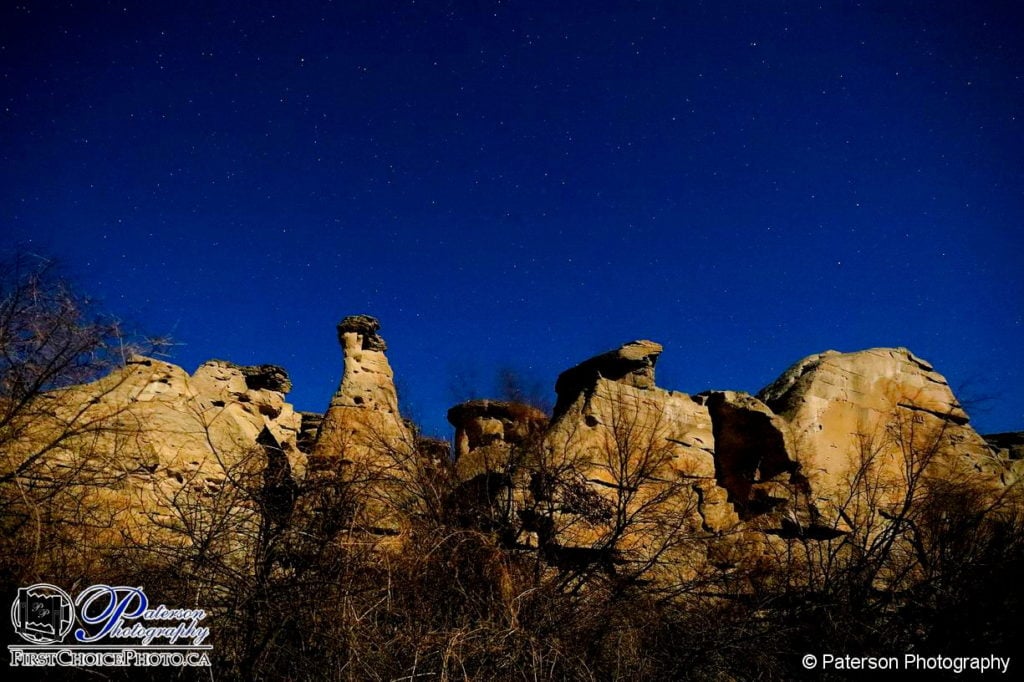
[711, 471]
[148, 431]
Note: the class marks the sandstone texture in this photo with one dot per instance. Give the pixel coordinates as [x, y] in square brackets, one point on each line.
[623, 477]
[493, 461]
[362, 437]
[363, 418]
[631, 364]
[629, 465]
[1010, 445]
[486, 432]
[626, 475]
[613, 424]
[874, 410]
[752, 448]
[146, 437]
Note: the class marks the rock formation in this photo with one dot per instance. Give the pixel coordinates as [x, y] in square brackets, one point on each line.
[628, 477]
[722, 464]
[363, 417]
[486, 431]
[138, 438]
[625, 474]
[613, 423]
[362, 437]
[753, 451]
[496, 443]
[873, 410]
[631, 364]
[1008, 445]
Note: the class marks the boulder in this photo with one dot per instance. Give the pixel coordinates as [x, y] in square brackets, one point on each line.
[866, 419]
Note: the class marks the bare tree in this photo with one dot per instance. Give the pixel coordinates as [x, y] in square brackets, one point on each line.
[918, 524]
[53, 443]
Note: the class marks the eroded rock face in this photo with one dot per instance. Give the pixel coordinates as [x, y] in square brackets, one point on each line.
[213, 414]
[803, 459]
[363, 416]
[631, 364]
[148, 432]
[1009, 448]
[496, 443]
[753, 449]
[486, 431]
[871, 410]
[1010, 444]
[625, 473]
[362, 436]
[308, 430]
[621, 443]
[873, 379]
[260, 388]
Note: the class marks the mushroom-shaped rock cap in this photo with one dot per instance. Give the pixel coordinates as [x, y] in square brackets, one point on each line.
[494, 409]
[361, 324]
[481, 423]
[365, 325]
[267, 377]
[631, 363]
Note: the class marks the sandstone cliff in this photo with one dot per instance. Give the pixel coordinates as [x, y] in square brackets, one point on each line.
[626, 474]
[630, 473]
[123, 454]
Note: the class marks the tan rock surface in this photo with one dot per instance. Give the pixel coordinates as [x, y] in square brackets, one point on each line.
[134, 441]
[625, 471]
[642, 455]
[884, 405]
[362, 436]
[753, 449]
[363, 415]
[486, 431]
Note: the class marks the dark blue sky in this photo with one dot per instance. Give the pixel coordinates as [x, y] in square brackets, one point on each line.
[530, 183]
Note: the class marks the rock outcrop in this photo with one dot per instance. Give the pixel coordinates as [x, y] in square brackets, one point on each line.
[753, 451]
[881, 410]
[309, 429]
[636, 463]
[148, 436]
[494, 457]
[362, 436]
[631, 364]
[796, 461]
[487, 431]
[625, 474]
[1009, 445]
[363, 418]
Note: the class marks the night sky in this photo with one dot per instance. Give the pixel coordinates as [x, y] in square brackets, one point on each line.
[526, 184]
